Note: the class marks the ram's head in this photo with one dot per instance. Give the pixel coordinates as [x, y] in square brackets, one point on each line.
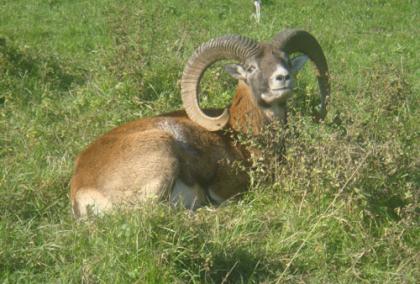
[267, 68]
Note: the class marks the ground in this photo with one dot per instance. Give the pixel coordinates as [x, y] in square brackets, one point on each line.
[341, 206]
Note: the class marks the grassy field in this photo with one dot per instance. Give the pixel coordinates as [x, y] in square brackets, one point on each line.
[342, 207]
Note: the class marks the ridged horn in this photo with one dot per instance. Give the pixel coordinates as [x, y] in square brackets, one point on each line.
[231, 47]
[295, 40]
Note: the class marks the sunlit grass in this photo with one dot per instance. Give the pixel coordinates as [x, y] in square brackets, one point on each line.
[341, 206]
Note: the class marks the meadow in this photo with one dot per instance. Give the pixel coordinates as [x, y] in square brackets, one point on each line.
[341, 207]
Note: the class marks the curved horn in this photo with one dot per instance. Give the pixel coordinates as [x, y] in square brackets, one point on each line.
[294, 40]
[226, 47]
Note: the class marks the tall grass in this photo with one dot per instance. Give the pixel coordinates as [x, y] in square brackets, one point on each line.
[340, 206]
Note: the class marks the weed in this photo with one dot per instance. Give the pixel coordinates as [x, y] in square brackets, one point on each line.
[335, 201]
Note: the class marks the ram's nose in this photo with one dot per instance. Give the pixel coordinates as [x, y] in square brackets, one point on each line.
[281, 78]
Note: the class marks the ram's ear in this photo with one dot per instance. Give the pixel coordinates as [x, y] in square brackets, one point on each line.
[298, 62]
[237, 71]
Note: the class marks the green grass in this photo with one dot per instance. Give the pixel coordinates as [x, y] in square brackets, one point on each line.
[342, 205]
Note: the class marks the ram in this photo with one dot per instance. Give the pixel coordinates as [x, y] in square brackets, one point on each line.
[184, 156]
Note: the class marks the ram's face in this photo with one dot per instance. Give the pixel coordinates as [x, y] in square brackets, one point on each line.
[270, 75]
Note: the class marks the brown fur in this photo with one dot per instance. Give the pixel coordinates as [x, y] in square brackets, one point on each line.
[142, 159]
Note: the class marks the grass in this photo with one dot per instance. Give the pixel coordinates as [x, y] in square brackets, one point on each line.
[342, 206]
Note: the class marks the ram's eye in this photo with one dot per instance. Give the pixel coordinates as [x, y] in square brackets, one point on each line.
[250, 69]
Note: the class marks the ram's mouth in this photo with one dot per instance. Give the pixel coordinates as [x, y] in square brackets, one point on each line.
[276, 95]
[280, 89]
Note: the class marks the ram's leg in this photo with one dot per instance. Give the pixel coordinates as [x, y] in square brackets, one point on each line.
[146, 171]
[90, 200]
[227, 183]
[139, 168]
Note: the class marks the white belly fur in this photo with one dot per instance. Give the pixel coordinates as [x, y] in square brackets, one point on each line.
[89, 199]
[192, 197]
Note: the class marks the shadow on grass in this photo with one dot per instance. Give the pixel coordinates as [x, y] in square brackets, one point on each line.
[233, 265]
[20, 63]
[37, 200]
[240, 265]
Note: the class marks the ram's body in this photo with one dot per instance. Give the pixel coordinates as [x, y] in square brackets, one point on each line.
[167, 156]
[185, 157]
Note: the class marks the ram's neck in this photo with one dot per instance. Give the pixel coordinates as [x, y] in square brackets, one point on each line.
[247, 117]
